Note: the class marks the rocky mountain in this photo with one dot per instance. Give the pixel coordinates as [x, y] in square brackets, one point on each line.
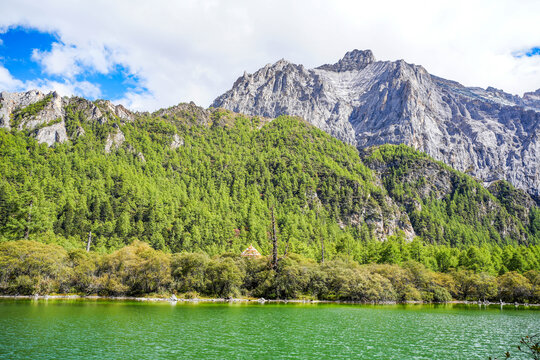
[44, 115]
[487, 133]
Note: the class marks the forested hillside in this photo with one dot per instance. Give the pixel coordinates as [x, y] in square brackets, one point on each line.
[189, 179]
[449, 207]
[212, 193]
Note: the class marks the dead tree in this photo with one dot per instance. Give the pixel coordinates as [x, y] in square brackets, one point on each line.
[89, 241]
[321, 230]
[274, 241]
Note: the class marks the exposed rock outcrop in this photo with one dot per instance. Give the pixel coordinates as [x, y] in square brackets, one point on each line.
[353, 60]
[176, 142]
[9, 102]
[532, 99]
[52, 134]
[285, 88]
[16, 110]
[46, 114]
[116, 110]
[114, 140]
[189, 112]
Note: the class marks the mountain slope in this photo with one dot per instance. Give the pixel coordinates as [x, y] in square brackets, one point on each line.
[186, 178]
[486, 133]
[444, 205]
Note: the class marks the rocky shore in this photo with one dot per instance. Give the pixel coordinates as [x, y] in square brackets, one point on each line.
[173, 299]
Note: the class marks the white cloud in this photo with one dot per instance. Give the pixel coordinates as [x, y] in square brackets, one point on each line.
[65, 88]
[70, 60]
[60, 60]
[194, 50]
[8, 82]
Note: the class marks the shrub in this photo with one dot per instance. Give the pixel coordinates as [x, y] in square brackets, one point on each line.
[138, 268]
[188, 271]
[28, 267]
[224, 278]
[514, 287]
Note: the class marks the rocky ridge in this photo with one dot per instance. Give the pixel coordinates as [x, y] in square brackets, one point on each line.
[44, 115]
[487, 133]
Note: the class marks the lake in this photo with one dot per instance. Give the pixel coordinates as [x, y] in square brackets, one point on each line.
[71, 329]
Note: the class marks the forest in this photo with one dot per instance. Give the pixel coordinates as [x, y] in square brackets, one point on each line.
[181, 187]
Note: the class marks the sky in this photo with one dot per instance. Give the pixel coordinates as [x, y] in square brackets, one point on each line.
[153, 54]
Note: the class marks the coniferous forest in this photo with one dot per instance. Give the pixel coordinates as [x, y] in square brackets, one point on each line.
[170, 206]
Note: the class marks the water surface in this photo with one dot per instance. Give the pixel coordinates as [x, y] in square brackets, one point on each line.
[82, 329]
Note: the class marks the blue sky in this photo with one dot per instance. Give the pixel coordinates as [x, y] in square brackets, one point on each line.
[19, 46]
[16, 51]
[152, 55]
[535, 51]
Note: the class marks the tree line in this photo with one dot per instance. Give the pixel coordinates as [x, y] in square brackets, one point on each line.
[28, 267]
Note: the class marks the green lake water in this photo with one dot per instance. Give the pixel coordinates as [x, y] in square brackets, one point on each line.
[83, 329]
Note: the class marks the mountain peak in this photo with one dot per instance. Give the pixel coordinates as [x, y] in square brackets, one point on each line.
[353, 60]
[485, 132]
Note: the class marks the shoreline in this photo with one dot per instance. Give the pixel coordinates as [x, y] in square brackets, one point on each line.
[175, 300]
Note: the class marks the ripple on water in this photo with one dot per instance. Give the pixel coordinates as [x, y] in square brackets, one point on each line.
[60, 329]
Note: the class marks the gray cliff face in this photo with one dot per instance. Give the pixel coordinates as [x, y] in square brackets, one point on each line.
[285, 88]
[485, 132]
[13, 101]
[532, 99]
[47, 120]
[114, 140]
[52, 134]
[353, 60]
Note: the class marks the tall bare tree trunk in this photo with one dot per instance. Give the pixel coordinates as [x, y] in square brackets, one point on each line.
[321, 232]
[89, 241]
[274, 241]
[322, 248]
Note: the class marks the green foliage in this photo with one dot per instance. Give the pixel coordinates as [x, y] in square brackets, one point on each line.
[514, 287]
[449, 207]
[212, 196]
[224, 278]
[135, 269]
[29, 267]
[213, 193]
[188, 271]
[475, 286]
